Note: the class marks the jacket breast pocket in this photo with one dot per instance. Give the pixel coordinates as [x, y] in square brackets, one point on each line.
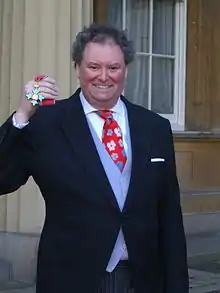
[156, 171]
[156, 164]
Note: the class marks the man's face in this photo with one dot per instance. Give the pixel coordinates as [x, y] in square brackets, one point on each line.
[102, 74]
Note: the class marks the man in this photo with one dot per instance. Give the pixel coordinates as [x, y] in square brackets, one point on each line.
[106, 171]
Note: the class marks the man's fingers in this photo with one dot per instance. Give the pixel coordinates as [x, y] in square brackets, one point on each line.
[47, 87]
[44, 87]
[47, 84]
[48, 79]
[52, 91]
[49, 96]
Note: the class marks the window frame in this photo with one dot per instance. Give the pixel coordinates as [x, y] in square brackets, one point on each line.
[177, 119]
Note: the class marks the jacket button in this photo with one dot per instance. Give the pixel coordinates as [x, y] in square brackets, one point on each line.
[125, 216]
[124, 246]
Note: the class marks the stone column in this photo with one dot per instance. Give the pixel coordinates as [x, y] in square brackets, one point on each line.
[35, 38]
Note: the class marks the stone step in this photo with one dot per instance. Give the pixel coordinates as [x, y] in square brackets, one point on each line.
[5, 270]
[16, 287]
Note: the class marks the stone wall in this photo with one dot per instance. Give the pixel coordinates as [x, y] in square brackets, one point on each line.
[35, 38]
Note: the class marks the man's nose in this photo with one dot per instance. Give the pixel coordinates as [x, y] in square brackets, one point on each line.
[103, 75]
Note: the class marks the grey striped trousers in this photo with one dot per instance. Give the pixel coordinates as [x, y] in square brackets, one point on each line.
[118, 281]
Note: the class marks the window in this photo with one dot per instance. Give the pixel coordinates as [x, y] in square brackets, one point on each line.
[156, 79]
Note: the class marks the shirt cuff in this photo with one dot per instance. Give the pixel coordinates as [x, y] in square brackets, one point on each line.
[18, 125]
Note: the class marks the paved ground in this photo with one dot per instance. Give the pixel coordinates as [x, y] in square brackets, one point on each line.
[204, 262]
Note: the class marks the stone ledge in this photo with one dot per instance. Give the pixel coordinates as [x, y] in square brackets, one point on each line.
[16, 287]
[196, 223]
[196, 135]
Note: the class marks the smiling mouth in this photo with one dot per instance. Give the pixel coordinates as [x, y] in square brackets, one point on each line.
[102, 87]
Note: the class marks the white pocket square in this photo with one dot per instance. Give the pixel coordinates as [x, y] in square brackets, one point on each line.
[157, 160]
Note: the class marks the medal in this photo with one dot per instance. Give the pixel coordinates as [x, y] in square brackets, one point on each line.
[35, 97]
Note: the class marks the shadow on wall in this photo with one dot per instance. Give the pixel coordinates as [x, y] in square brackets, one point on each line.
[18, 259]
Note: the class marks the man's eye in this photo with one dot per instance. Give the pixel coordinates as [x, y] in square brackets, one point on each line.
[113, 68]
[93, 67]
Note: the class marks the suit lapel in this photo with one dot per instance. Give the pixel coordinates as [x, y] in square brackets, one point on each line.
[140, 134]
[76, 130]
[75, 127]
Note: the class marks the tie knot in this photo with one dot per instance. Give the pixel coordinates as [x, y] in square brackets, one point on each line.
[105, 114]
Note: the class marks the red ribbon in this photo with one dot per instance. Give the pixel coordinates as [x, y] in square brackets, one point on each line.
[45, 102]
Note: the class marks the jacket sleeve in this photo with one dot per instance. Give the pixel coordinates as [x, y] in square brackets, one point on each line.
[13, 158]
[172, 236]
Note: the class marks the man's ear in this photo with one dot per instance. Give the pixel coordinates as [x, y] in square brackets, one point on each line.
[126, 72]
[77, 70]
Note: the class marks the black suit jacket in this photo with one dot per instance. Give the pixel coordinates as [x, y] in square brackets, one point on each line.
[82, 216]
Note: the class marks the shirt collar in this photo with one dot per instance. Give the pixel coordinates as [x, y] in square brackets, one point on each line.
[88, 108]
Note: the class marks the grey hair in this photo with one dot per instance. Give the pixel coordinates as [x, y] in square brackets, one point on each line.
[99, 33]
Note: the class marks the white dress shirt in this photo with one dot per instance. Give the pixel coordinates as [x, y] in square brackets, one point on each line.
[97, 122]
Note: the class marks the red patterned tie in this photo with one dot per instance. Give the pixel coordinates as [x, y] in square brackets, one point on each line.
[112, 139]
